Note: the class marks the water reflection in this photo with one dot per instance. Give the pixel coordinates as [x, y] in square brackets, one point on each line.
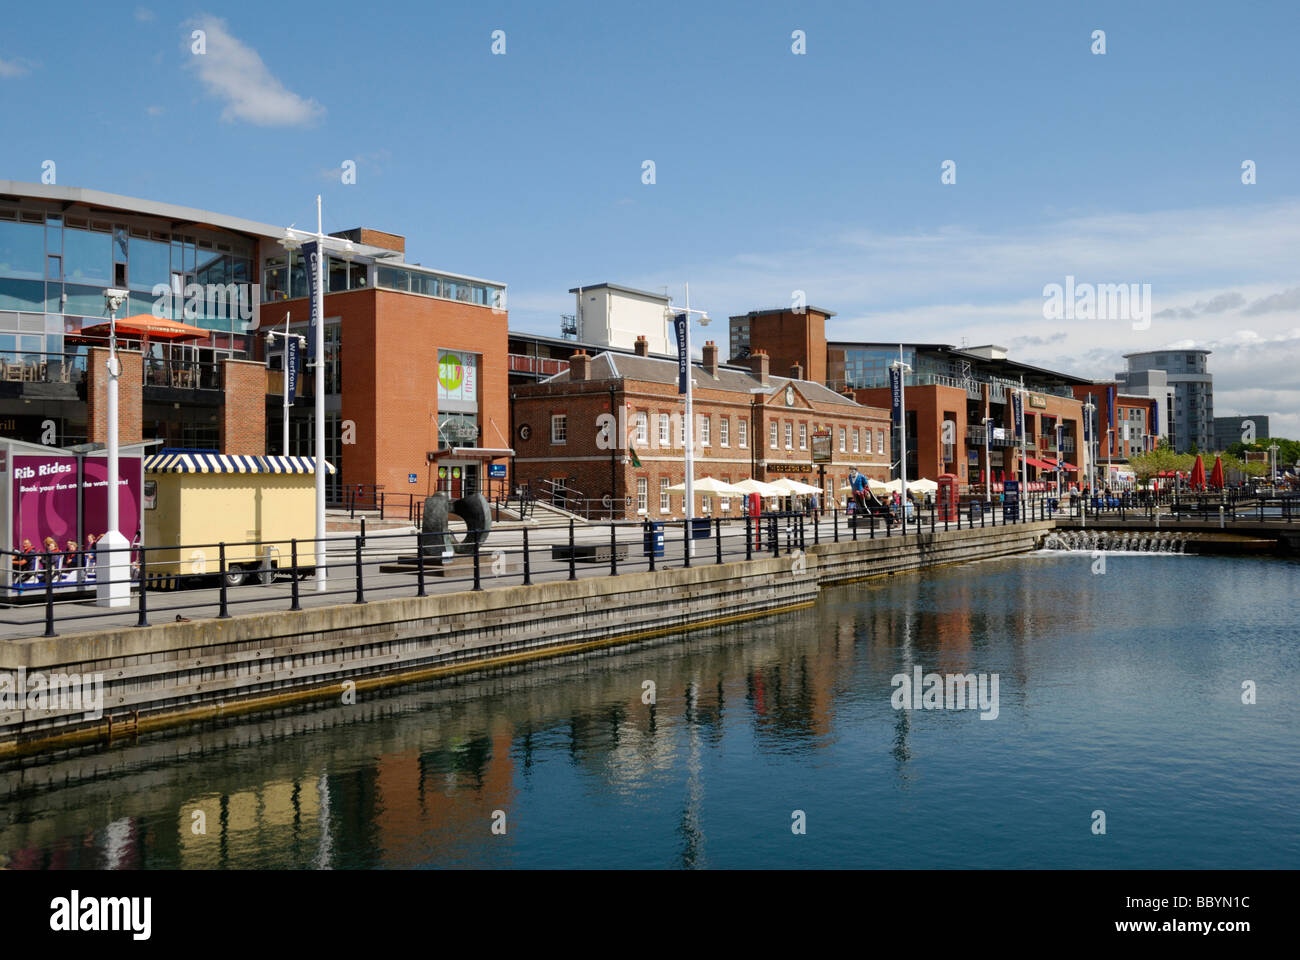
[749, 722]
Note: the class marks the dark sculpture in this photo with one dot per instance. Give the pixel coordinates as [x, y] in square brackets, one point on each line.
[435, 536]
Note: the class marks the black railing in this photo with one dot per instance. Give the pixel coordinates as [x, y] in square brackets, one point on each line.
[22, 367]
[182, 374]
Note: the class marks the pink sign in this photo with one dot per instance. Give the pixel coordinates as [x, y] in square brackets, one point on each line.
[46, 492]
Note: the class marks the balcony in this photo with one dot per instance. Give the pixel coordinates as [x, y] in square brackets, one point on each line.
[182, 374]
[536, 366]
[67, 368]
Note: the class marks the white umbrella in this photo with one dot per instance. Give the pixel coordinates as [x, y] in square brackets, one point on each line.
[710, 486]
[750, 485]
[923, 486]
[874, 485]
[795, 487]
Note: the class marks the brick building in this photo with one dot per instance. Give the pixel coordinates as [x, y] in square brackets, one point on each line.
[749, 423]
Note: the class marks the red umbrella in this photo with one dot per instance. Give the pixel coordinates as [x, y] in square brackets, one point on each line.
[144, 326]
[1216, 475]
[1198, 474]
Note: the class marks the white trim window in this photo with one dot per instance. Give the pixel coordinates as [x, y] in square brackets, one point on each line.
[642, 494]
[789, 435]
[665, 498]
[742, 431]
[705, 423]
[642, 428]
[664, 440]
[880, 441]
[724, 431]
[855, 439]
[843, 448]
[559, 428]
[771, 434]
[803, 436]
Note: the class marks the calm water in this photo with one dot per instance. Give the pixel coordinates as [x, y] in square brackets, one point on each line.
[1118, 692]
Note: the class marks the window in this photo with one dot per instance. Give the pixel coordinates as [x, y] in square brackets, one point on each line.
[880, 441]
[704, 505]
[789, 435]
[803, 436]
[665, 501]
[855, 440]
[559, 428]
[742, 430]
[724, 503]
[704, 431]
[642, 428]
[663, 430]
[642, 494]
[843, 448]
[724, 431]
[771, 434]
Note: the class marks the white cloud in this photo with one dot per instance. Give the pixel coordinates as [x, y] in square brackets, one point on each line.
[144, 14]
[13, 68]
[232, 71]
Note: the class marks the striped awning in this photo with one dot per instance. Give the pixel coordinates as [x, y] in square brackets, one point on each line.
[229, 463]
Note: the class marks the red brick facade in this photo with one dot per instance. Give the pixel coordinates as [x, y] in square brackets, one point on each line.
[130, 398]
[243, 415]
[724, 449]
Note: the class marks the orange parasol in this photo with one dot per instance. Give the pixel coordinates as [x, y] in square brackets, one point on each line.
[145, 326]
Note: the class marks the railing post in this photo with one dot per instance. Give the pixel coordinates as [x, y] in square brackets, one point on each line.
[143, 621]
[528, 576]
[835, 523]
[613, 551]
[49, 598]
[932, 520]
[363, 531]
[573, 560]
[717, 536]
[361, 590]
[223, 612]
[478, 582]
[817, 533]
[420, 590]
[776, 537]
[749, 539]
[293, 575]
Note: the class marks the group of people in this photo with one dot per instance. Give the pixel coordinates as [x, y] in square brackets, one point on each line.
[30, 565]
[865, 500]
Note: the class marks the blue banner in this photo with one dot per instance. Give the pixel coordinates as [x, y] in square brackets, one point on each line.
[683, 361]
[988, 432]
[1153, 427]
[292, 361]
[1087, 425]
[896, 393]
[311, 262]
[1018, 413]
[1060, 441]
[1110, 405]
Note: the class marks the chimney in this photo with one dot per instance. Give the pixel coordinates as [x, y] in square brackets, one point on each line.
[580, 366]
[711, 358]
[758, 366]
[642, 347]
[796, 372]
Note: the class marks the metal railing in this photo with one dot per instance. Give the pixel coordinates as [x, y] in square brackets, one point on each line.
[18, 366]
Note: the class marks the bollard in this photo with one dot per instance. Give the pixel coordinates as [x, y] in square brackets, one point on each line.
[49, 598]
[528, 577]
[363, 531]
[573, 562]
[361, 586]
[1220, 516]
[223, 612]
[293, 576]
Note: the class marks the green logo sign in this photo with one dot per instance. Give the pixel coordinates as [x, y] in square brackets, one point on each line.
[451, 372]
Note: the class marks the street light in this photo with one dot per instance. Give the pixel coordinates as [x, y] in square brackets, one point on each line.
[271, 337]
[1273, 449]
[903, 369]
[688, 434]
[112, 559]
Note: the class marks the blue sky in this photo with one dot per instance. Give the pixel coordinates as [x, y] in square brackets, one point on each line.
[774, 172]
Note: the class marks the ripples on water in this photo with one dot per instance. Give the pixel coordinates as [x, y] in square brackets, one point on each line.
[1119, 692]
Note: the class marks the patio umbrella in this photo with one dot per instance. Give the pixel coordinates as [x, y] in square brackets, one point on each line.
[1216, 475]
[875, 486]
[145, 326]
[795, 487]
[922, 486]
[710, 486]
[1198, 474]
[750, 485]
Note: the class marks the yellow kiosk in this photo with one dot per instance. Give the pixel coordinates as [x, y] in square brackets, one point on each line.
[194, 501]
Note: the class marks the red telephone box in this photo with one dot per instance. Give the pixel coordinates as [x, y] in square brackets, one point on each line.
[946, 497]
[753, 508]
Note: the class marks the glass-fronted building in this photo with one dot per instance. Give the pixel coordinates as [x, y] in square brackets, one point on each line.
[1191, 422]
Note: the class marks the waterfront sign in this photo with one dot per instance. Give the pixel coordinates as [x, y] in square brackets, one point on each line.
[683, 361]
[1018, 413]
[311, 259]
[291, 365]
[896, 394]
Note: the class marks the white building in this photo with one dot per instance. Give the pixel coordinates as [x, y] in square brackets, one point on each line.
[608, 315]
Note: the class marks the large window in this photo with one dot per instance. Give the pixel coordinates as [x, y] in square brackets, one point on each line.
[88, 257]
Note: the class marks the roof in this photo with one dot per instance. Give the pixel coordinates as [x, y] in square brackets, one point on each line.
[195, 461]
[1152, 353]
[656, 370]
[621, 289]
[776, 310]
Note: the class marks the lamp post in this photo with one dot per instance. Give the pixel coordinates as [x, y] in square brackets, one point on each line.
[988, 462]
[112, 561]
[293, 239]
[688, 432]
[1272, 473]
[903, 369]
[302, 342]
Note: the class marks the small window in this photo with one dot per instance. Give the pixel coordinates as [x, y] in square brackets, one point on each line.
[53, 268]
[642, 495]
[742, 430]
[771, 434]
[803, 436]
[642, 428]
[559, 428]
[663, 430]
[665, 498]
[704, 431]
[789, 435]
[843, 448]
[855, 440]
[724, 431]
